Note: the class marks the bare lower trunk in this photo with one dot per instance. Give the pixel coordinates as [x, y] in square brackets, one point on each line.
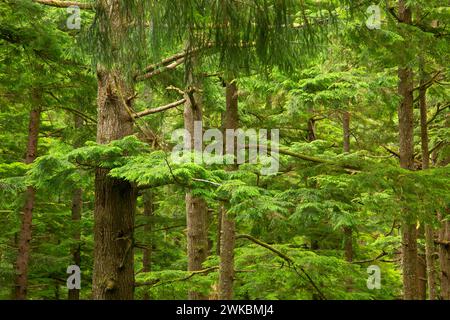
[23, 256]
[196, 208]
[226, 276]
[227, 242]
[409, 262]
[115, 200]
[444, 259]
[406, 142]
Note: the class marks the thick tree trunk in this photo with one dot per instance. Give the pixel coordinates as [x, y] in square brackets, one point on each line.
[227, 242]
[406, 141]
[23, 256]
[196, 208]
[115, 200]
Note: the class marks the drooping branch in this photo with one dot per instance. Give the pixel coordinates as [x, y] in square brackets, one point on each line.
[349, 168]
[65, 4]
[286, 258]
[159, 109]
[158, 282]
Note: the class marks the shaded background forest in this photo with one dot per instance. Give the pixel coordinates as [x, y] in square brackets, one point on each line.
[86, 117]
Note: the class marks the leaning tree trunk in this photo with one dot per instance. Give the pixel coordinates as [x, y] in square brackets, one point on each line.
[115, 200]
[196, 208]
[406, 141]
[228, 237]
[23, 256]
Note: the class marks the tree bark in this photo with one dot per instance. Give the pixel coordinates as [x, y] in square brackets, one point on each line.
[406, 141]
[23, 256]
[115, 200]
[196, 208]
[227, 242]
[429, 234]
[444, 259]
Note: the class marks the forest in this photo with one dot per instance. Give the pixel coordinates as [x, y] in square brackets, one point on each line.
[224, 150]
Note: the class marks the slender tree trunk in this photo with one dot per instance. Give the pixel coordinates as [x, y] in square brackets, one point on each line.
[147, 252]
[77, 207]
[23, 256]
[348, 232]
[406, 139]
[196, 208]
[227, 243]
[115, 200]
[429, 234]
[219, 227]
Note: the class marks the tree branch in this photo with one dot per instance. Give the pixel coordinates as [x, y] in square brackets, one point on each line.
[288, 259]
[65, 4]
[159, 109]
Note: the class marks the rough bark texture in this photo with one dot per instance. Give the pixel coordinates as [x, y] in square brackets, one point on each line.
[444, 259]
[196, 208]
[406, 141]
[23, 256]
[226, 272]
[115, 200]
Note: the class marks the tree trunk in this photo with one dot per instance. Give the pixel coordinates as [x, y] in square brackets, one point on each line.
[196, 208]
[348, 232]
[147, 252]
[77, 207]
[227, 242]
[406, 141]
[429, 234]
[23, 256]
[115, 200]
[444, 259]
